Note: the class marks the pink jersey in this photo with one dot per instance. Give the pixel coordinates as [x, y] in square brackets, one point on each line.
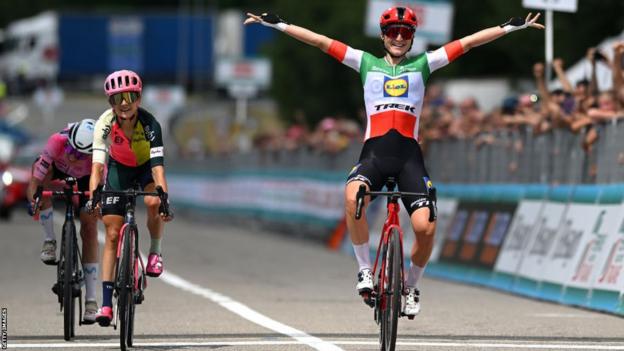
[55, 154]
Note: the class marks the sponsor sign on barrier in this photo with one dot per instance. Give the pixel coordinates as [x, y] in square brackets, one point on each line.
[609, 253]
[289, 198]
[446, 210]
[570, 242]
[542, 243]
[477, 232]
[596, 248]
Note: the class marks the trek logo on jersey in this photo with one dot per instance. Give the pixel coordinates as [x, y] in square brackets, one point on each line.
[402, 107]
[396, 87]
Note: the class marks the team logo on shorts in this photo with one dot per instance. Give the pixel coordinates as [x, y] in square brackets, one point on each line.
[428, 183]
[354, 169]
[396, 87]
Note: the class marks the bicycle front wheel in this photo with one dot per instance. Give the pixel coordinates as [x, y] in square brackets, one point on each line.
[68, 261]
[124, 283]
[390, 314]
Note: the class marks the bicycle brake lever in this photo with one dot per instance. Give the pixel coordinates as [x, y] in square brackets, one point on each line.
[359, 201]
[433, 208]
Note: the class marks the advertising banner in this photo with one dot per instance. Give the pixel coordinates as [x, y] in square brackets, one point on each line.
[454, 233]
[595, 252]
[288, 198]
[609, 275]
[534, 261]
[495, 232]
[572, 241]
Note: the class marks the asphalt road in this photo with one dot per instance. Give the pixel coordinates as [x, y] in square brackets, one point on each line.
[235, 288]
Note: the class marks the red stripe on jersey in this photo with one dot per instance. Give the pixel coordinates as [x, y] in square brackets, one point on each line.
[403, 122]
[338, 50]
[453, 50]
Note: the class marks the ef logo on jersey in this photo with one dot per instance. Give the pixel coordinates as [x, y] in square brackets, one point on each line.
[396, 87]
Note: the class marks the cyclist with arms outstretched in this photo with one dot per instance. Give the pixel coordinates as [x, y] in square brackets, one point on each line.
[131, 138]
[394, 88]
[68, 154]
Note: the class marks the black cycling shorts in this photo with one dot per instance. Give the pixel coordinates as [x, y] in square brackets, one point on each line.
[120, 177]
[393, 155]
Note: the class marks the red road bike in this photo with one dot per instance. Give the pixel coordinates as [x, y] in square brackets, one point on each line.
[389, 285]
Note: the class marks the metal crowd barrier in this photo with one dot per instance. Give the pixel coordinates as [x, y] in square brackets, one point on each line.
[514, 156]
[520, 156]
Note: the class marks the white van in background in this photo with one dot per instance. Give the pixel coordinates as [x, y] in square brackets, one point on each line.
[30, 51]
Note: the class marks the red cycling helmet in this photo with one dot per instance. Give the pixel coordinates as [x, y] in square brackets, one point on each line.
[398, 15]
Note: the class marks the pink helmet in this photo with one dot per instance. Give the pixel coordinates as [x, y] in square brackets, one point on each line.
[120, 81]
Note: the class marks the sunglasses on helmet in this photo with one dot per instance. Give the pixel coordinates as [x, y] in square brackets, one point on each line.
[393, 32]
[128, 96]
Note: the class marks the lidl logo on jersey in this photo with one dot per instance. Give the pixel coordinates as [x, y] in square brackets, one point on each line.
[396, 87]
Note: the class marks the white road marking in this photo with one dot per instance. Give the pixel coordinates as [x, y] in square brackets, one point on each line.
[459, 345]
[235, 306]
[562, 315]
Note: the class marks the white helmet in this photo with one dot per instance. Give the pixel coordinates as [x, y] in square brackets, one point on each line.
[81, 135]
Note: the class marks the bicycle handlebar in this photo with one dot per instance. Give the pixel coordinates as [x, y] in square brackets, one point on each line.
[40, 194]
[160, 193]
[430, 195]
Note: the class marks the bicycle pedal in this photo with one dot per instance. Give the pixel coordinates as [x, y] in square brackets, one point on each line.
[50, 263]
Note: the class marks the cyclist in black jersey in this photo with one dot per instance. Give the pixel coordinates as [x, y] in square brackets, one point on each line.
[394, 87]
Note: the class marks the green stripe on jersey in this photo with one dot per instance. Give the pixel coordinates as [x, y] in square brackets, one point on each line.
[371, 63]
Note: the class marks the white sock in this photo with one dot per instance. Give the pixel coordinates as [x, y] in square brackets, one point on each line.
[47, 222]
[414, 274]
[91, 274]
[155, 246]
[362, 254]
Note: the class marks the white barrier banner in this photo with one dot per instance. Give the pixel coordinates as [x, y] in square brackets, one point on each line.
[535, 260]
[609, 250]
[571, 242]
[308, 197]
[519, 236]
[596, 246]
[446, 210]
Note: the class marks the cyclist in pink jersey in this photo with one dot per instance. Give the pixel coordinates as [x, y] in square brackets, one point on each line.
[394, 88]
[68, 153]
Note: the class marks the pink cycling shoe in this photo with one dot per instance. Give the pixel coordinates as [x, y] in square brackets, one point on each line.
[104, 316]
[154, 265]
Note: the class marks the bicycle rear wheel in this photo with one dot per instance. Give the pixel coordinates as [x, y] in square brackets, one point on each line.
[392, 305]
[124, 275]
[68, 263]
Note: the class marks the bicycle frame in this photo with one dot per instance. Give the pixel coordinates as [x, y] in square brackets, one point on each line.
[69, 236]
[130, 285]
[130, 221]
[392, 221]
